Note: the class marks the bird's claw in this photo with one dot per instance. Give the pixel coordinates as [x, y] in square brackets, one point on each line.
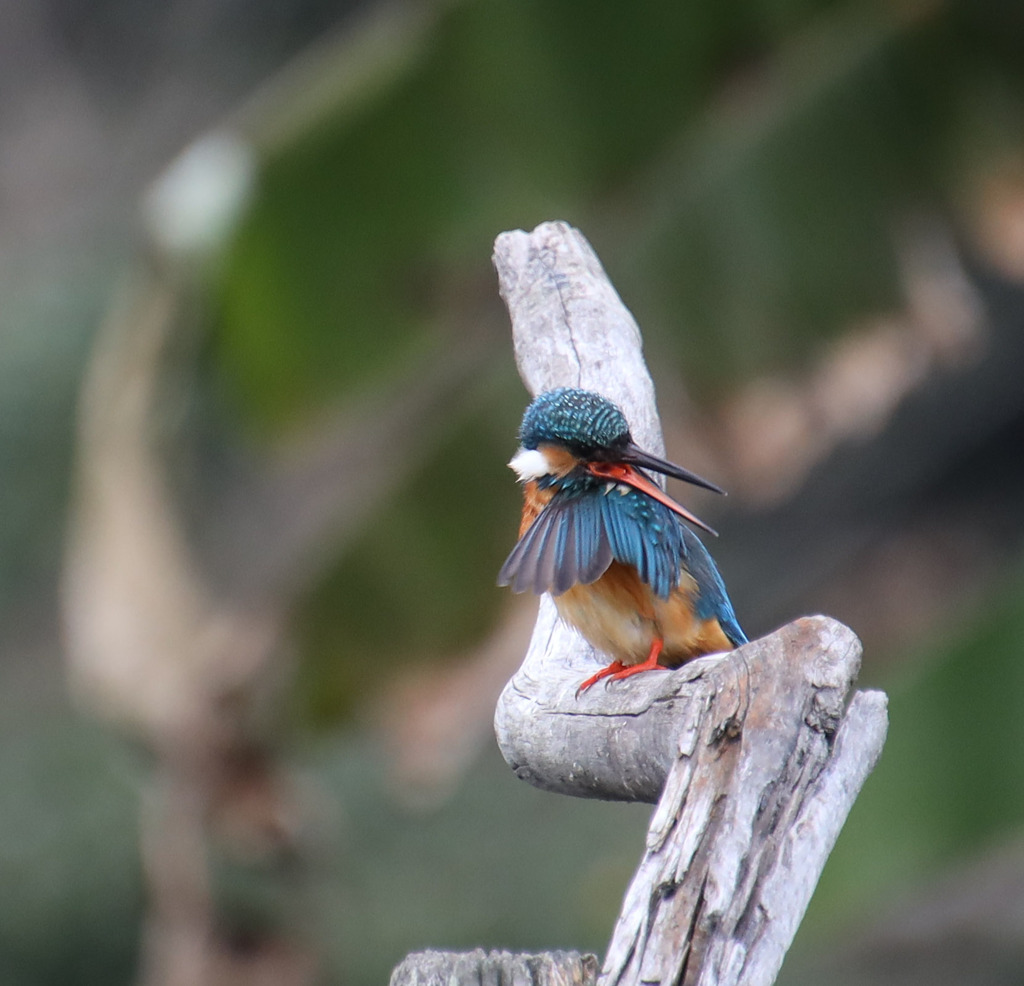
[608, 672]
[617, 671]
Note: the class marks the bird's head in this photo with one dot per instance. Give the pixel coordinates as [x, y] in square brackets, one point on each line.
[568, 431]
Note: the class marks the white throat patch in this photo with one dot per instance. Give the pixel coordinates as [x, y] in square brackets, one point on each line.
[530, 463]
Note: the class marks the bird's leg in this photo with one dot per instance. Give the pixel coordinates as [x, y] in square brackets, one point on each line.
[616, 671]
[613, 669]
[651, 664]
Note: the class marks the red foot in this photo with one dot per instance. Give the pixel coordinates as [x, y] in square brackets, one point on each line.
[616, 671]
[613, 669]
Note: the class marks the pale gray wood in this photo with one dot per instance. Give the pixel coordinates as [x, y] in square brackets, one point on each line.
[570, 328]
[754, 759]
[749, 818]
[480, 968]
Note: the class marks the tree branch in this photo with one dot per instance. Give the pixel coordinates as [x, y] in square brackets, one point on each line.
[750, 756]
[755, 766]
[480, 968]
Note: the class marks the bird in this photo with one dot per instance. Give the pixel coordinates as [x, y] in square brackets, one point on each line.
[609, 545]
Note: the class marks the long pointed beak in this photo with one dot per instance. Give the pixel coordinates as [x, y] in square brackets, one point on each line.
[636, 456]
[620, 472]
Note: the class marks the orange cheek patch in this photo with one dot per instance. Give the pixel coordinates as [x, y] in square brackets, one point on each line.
[561, 461]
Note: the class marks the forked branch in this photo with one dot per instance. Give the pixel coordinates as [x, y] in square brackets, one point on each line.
[753, 757]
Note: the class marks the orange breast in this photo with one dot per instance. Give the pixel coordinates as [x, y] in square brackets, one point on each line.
[621, 616]
[534, 501]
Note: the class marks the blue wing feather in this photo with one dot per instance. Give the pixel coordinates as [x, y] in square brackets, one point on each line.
[524, 568]
[712, 599]
[566, 545]
[576, 536]
[649, 536]
[567, 569]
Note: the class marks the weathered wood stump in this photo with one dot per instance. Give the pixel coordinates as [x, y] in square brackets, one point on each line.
[753, 757]
[480, 968]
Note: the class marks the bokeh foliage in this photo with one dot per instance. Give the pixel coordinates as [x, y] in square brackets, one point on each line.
[746, 174]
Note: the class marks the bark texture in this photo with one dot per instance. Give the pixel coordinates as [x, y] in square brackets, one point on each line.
[480, 968]
[752, 757]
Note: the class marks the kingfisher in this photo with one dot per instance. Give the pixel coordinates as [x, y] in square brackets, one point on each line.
[609, 545]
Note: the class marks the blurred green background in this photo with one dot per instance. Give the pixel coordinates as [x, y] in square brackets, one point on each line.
[262, 547]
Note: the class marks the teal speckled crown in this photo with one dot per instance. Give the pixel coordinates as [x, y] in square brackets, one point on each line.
[577, 418]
